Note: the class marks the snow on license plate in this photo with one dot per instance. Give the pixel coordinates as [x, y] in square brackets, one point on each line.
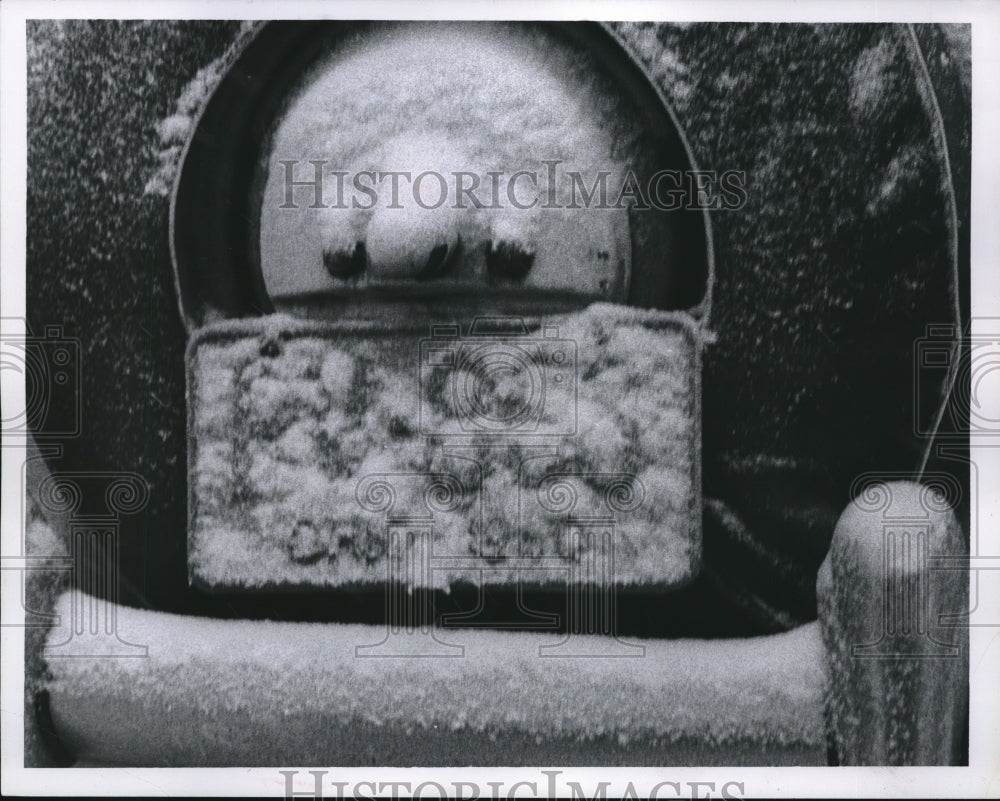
[491, 452]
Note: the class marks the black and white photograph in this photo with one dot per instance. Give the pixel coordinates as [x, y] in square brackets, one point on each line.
[500, 401]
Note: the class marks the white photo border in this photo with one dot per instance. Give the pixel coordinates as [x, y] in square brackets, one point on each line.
[981, 778]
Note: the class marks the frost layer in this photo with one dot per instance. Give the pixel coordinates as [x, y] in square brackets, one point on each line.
[321, 454]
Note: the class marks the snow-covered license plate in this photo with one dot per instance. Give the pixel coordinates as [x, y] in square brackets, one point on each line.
[500, 450]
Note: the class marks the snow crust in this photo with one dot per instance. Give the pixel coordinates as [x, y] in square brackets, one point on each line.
[309, 439]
